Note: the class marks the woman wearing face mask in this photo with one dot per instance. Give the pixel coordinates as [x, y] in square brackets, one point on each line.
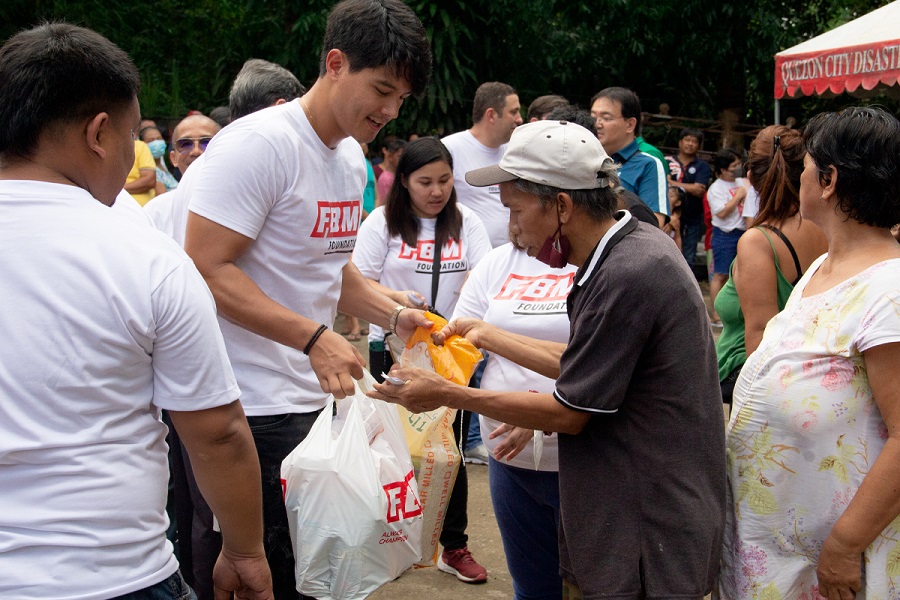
[396, 251]
[153, 137]
[726, 199]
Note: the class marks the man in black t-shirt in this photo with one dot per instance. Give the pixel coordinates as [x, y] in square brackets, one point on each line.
[692, 174]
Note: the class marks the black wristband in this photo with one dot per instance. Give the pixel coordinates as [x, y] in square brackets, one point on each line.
[314, 338]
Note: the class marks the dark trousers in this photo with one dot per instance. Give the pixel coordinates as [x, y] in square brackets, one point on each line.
[170, 588]
[453, 535]
[275, 437]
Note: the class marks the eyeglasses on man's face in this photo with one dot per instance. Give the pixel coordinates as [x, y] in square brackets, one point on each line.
[186, 145]
[606, 117]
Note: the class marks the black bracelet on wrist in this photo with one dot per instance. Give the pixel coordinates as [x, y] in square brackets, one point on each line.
[314, 339]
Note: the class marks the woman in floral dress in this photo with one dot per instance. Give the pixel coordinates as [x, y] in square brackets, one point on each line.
[814, 438]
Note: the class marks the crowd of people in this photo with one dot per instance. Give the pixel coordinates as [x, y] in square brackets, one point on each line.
[170, 303]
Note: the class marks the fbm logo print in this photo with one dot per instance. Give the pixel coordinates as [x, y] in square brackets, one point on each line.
[402, 502]
[539, 288]
[336, 219]
[424, 251]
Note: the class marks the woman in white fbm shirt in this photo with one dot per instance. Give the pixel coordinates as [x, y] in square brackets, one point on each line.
[396, 243]
[395, 250]
[515, 292]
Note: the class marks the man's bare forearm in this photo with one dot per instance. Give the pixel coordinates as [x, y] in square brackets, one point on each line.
[226, 467]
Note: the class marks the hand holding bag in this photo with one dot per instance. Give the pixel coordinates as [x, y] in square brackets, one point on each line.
[352, 501]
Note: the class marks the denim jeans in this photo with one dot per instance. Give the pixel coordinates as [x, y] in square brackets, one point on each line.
[171, 588]
[526, 504]
[275, 437]
[691, 233]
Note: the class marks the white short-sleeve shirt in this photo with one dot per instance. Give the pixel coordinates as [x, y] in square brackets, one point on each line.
[469, 154]
[395, 265]
[105, 321]
[522, 295]
[720, 193]
[269, 177]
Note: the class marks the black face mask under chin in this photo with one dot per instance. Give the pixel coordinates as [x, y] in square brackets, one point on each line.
[556, 250]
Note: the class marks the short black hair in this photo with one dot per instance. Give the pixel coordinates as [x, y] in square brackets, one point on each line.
[491, 94]
[690, 131]
[260, 84]
[863, 145]
[576, 115]
[631, 104]
[723, 159]
[221, 115]
[379, 33]
[55, 74]
[392, 143]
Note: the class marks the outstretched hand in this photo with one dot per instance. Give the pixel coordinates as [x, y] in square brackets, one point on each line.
[467, 327]
[408, 320]
[423, 390]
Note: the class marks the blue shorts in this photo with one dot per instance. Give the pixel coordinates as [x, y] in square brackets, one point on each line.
[724, 249]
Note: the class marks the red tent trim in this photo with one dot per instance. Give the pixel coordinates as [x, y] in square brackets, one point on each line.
[838, 69]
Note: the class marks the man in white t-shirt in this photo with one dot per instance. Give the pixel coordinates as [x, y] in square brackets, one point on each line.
[274, 212]
[105, 323]
[495, 114]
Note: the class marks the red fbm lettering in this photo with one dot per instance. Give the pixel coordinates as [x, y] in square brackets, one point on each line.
[336, 219]
[539, 288]
[402, 502]
[424, 251]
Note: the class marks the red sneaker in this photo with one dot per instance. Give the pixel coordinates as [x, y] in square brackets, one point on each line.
[460, 563]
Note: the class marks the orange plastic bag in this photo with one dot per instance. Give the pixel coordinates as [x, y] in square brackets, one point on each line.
[455, 360]
[429, 435]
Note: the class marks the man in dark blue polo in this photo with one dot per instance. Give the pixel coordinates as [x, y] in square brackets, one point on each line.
[693, 176]
[618, 112]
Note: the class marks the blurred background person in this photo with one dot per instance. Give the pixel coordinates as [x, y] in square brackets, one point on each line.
[542, 106]
[725, 197]
[141, 181]
[153, 137]
[771, 256]
[391, 150]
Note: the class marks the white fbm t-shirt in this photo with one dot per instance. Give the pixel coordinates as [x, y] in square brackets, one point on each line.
[395, 265]
[269, 177]
[105, 321]
[720, 193]
[470, 154]
[520, 294]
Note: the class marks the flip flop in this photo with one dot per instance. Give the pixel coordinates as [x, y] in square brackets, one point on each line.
[352, 337]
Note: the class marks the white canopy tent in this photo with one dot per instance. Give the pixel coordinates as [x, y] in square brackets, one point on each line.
[864, 53]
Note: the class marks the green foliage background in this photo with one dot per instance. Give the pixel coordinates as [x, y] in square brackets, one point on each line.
[699, 56]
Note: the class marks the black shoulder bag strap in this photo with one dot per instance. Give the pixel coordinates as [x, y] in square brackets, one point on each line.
[435, 277]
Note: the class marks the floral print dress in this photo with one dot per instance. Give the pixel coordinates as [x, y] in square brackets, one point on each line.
[804, 431]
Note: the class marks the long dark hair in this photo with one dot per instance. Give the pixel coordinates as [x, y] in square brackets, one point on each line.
[398, 210]
[775, 172]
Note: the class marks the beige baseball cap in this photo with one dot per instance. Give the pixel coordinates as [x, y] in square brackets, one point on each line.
[556, 153]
